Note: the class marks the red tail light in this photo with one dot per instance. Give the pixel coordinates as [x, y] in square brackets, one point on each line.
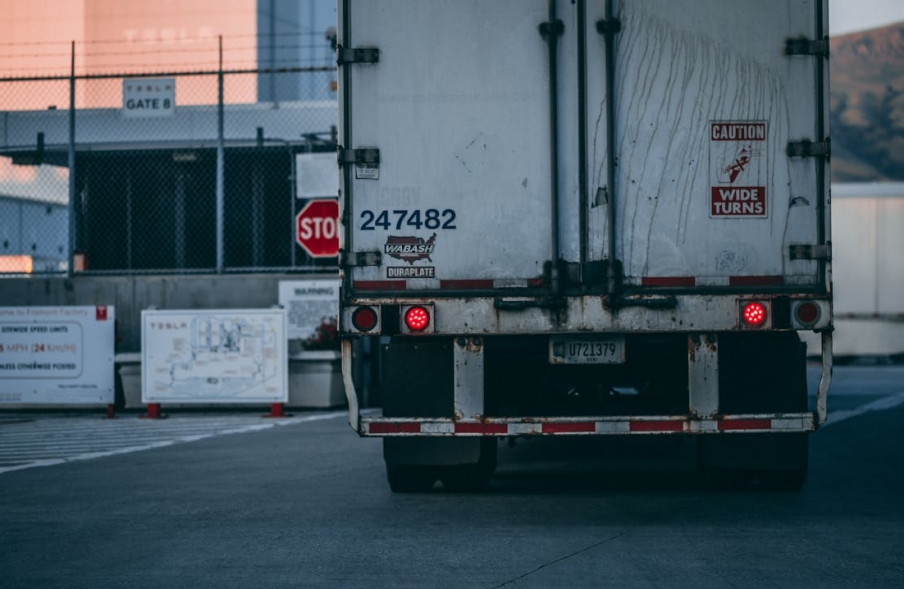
[364, 318]
[754, 314]
[417, 318]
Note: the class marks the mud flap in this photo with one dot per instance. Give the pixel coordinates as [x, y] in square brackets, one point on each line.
[777, 381]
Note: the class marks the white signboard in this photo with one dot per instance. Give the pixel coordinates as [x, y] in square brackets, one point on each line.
[214, 356]
[308, 304]
[57, 355]
[144, 98]
[317, 175]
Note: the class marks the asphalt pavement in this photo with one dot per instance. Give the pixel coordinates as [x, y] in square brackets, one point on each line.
[237, 501]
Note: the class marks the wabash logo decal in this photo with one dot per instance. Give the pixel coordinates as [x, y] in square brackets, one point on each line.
[409, 249]
[738, 169]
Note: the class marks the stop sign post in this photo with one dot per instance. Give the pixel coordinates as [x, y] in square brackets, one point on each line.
[317, 228]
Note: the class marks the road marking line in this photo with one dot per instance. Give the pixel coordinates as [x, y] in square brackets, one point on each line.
[882, 404]
[177, 440]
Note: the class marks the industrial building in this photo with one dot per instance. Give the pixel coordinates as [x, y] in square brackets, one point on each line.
[191, 207]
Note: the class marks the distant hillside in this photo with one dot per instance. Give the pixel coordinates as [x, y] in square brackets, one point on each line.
[867, 106]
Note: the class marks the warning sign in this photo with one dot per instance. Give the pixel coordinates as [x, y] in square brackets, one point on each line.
[738, 169]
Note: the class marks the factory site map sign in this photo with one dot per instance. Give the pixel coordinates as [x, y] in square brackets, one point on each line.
[214, 356]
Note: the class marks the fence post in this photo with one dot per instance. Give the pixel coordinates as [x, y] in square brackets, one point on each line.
[221, 163]
[72, 223]
[293, 203]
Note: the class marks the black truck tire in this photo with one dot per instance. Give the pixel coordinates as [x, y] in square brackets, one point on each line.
[776, 462]
[411, 478]
[413, 464]
[471, 478]
[773, 461]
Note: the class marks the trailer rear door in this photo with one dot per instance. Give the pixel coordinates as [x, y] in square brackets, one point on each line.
[458, 107]
[452, 177]
[708, 98]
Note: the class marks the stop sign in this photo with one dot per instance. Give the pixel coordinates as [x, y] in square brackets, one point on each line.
[317, 228]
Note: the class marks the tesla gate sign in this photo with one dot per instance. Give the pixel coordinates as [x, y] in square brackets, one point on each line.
[317, 228]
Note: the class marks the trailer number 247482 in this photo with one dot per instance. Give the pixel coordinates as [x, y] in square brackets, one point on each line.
[417, 218]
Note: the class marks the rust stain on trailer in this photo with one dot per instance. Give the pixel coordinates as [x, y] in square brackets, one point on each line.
[469, 344]
[693, 343]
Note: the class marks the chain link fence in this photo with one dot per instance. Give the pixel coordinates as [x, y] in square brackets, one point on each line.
[174, 172]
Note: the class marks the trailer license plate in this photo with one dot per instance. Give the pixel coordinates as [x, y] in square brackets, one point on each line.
[571, 350]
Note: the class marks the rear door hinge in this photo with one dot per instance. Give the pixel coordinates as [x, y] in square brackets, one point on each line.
[346, 55]
[608, 26]
[366, 162]
[807, 148]
[801, 251]
[365, 155]
[804, 46]
[360, 258]
[556, 28]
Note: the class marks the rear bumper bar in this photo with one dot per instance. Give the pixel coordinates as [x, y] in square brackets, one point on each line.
[702, 423]
[571, 426]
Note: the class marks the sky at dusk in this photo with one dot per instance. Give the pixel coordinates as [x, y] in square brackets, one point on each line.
[118, 35]
[847, 16]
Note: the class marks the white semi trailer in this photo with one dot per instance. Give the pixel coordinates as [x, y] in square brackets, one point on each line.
[585, 217]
